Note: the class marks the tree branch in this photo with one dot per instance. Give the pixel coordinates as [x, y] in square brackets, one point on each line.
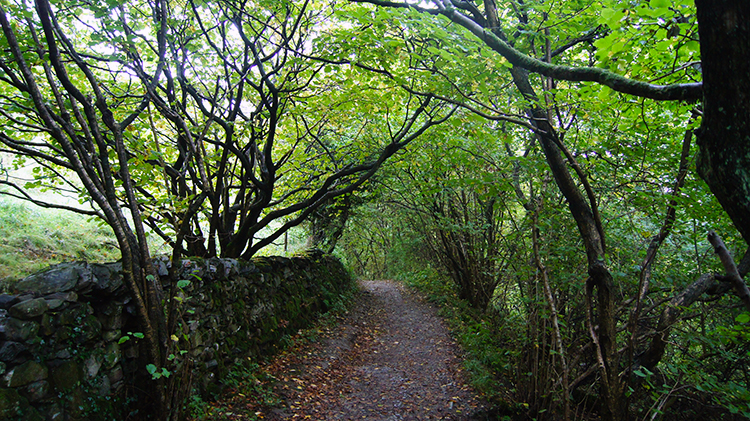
[733, 275]
[674, 92]
[23, 195]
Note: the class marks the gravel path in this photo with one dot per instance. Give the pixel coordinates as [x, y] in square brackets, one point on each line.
[390, 358]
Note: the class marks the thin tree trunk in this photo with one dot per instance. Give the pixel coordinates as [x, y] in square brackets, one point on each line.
[554, 315]
[733, 275]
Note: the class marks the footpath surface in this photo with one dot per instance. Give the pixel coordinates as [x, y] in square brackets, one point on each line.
[390, 358]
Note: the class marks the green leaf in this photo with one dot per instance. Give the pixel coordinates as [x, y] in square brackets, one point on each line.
[742, 318]
[434, 50]
[656, 4]
[663, 45]
[183, 283]
[603, 43]
[613, 17]
[642, 372]
[693, 46]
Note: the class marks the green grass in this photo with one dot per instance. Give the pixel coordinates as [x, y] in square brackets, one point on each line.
[32, 238]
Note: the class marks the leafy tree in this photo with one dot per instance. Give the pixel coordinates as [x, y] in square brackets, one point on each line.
[221, 124]
[456, 195]
[57, 113]
[326, 224]
[218, 125]
[694, 52]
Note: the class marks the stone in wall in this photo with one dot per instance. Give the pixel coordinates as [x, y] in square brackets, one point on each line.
[54, 342]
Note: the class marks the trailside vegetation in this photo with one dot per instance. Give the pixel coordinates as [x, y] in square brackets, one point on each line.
[584, 186]
[216, 125]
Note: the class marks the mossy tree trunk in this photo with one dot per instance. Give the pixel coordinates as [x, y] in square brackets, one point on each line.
[724, 134]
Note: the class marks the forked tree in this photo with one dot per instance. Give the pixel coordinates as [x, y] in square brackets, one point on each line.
[723, 158]
[213, 123]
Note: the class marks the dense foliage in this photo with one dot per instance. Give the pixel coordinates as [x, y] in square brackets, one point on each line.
[218, 125]
[543, 157]
[578, 208]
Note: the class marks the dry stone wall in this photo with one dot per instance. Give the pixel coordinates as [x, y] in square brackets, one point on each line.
[69, 338]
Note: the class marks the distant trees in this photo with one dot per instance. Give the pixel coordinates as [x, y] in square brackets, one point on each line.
[459, 198]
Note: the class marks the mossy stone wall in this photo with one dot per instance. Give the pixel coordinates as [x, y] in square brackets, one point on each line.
[63, 352]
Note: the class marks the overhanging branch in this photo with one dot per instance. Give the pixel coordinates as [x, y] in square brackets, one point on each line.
[673, 92]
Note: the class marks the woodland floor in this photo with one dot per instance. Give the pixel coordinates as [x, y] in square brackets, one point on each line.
[389, 358]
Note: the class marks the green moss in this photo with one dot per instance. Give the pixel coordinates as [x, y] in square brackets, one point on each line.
[258, 301]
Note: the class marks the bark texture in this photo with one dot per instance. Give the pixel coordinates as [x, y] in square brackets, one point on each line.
[724, 135]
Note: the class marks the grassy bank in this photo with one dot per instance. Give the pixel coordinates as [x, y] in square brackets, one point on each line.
[32, 238]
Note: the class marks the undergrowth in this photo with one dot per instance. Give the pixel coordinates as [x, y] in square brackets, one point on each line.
[32, 238]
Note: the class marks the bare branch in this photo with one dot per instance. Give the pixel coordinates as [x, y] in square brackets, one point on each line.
[23, 195]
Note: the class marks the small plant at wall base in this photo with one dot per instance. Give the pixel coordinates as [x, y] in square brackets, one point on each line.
[155, 373]
[125, 338]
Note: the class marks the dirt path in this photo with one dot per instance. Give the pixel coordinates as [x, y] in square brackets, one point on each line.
[390, 358]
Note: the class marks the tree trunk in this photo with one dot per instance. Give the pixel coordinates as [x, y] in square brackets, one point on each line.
[724, 135]
[327, 223]
[614, 406]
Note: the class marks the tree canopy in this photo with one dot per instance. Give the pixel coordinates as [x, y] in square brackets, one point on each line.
[218, 125]
[630, 55]
[564, 158]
